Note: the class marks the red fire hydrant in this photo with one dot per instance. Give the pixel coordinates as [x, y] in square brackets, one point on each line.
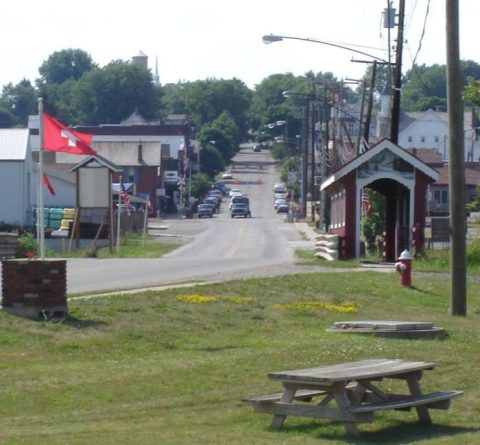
[404, 267]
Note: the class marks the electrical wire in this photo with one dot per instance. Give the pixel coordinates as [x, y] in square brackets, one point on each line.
[423, 32]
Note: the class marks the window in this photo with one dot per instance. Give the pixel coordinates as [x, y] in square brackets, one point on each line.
[437, 139]
[440, 197]
[410, 139]
[422, 139]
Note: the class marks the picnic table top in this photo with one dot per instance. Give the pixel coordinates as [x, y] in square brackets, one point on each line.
[363, 369]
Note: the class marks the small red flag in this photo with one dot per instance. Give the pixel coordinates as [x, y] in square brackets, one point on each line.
[57, 137]
[125, 199]
[47, 183]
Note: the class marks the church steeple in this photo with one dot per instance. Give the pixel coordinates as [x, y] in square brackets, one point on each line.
[156, 79]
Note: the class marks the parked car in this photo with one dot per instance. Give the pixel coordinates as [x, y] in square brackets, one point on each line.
[279, 187]
[234, 191]
[240, 209]
[282, 208]
[227, 175]
[216, 193]
[171, 177]
[279, 202]
[212, 200]
[256, 148]
[205, 210]
[222, 186]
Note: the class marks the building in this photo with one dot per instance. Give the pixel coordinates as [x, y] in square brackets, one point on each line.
[153, 155]
[17, 180]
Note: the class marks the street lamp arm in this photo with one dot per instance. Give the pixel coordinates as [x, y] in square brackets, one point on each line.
[271, 38]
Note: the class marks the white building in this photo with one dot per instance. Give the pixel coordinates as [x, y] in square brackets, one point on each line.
[17, 180]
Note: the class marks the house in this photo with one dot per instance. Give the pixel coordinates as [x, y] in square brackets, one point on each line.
[17, 180]
[438, 195]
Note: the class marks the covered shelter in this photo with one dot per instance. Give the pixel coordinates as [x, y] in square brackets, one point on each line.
[394, 173]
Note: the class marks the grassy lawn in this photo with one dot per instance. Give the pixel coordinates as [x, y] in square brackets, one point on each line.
[172, 367]
[132, 246]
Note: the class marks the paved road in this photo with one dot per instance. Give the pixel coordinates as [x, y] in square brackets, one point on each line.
[217, 248]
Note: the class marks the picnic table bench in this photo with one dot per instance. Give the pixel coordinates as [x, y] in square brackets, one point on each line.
[350, 393]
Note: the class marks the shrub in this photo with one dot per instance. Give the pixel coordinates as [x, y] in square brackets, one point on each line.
[27, 246]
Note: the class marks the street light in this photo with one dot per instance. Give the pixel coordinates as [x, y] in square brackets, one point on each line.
[272, 38]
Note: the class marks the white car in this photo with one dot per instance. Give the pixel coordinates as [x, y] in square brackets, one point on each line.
[227, 175]
[233, 192]
[279, 187]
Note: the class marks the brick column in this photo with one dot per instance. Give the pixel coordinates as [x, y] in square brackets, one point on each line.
[34, 288]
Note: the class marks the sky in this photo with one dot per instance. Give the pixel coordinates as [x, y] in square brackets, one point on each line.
[222, 39]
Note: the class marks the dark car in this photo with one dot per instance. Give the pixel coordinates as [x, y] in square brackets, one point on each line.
[206, 210]
[282, 208]
[216, 194]
[214, 201]
[240, 209]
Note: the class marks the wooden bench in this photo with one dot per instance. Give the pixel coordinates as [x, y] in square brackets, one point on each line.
[304, 395]
[434, 400]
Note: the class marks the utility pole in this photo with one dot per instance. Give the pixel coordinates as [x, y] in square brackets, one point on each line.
[366, 130]
[397, 85]
[456, 164]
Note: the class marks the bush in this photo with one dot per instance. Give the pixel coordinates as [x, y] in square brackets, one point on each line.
[27, 246]
[473, 253]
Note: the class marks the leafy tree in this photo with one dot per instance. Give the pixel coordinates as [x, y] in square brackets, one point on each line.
[472, 91]
[112, 93]
[225, 134]
[211, 161]
[426, 86]
[474, 205]
[172, 99]
[269, 104]
[7, 119]
[65, 64]
[200, 185]
[205, 100]
[19, 101]
[373, 223]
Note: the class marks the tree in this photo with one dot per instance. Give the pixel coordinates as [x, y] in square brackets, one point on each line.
[373, 222]
[63, 65]
[425, 87]
[211, 161]
[225, 134]
[18, 102]
[200, 185]
[269, 104]
[205, 100]
[112, 93]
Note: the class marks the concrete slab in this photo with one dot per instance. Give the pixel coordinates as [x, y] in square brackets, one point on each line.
[390, 328]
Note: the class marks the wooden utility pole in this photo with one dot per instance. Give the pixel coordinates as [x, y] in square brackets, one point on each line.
[397, 84]
[456, 163]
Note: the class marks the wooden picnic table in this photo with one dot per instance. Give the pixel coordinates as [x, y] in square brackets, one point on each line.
[350, 393]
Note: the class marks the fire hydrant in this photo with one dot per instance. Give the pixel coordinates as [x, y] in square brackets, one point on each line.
[404, 267]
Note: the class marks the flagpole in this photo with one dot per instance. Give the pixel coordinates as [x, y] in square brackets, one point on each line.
[41, 203]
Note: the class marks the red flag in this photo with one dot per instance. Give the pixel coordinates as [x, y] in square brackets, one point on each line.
[57, 137]
[125, 199]
[49, 186]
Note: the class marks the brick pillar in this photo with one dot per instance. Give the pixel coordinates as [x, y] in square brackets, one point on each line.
[35, 288]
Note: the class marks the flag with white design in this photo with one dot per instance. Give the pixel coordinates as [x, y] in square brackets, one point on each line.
[57, 137]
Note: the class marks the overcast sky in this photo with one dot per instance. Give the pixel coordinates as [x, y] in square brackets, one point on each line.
[222, 39]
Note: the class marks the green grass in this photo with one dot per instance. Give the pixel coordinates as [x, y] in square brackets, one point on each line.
[131, 246]
[150, 368]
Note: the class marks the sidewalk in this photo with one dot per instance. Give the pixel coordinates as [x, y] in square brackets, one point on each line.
[308, 234]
